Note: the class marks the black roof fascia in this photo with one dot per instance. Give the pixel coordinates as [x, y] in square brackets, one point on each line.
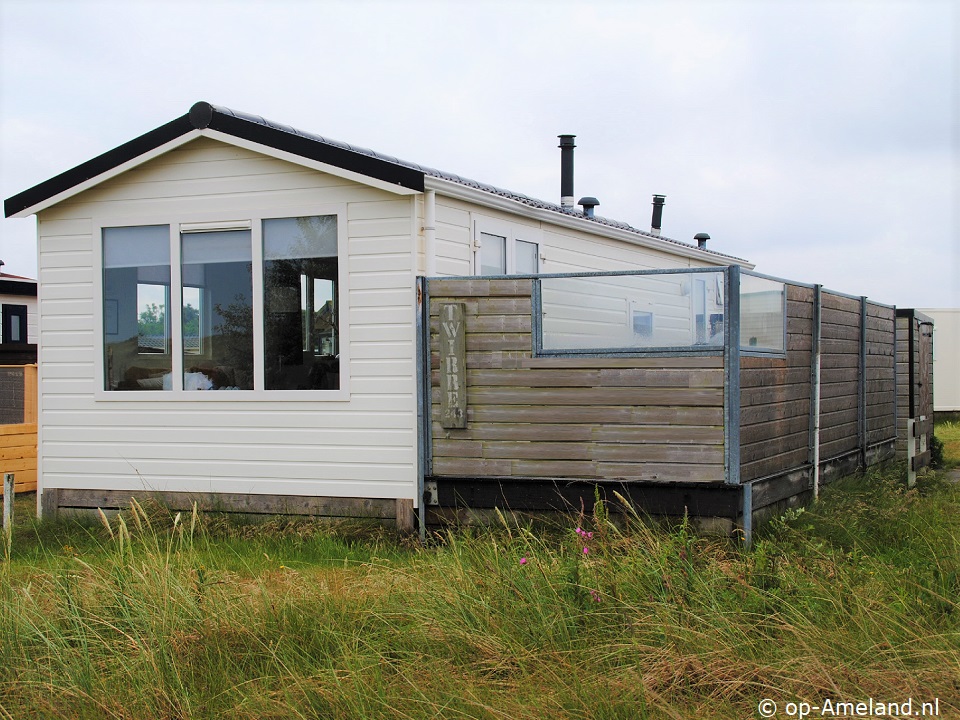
[204, 115]
[16, 287]
[98, 165]
[293, 141]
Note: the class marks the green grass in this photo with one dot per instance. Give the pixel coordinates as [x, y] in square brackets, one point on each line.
[948, 432]
[193, 617]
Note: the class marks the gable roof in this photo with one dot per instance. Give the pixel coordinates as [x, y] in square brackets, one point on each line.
[206, 119]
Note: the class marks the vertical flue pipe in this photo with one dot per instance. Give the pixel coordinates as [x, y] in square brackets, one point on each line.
[566, 170]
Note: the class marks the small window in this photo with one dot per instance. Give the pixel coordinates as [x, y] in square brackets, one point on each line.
[527, 258]
[14, 329]
[493, 254]
[762, 314]
[506, 248]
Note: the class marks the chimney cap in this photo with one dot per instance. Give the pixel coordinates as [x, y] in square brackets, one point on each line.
[701, 239]
[589, 203]
[566, 140]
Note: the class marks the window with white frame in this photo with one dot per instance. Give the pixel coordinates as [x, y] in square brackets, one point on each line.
[136, 292]
[504, 248]
[292, 297]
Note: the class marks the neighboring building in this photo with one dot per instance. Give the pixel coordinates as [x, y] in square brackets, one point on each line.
[290, 263]
[946, 358]
[18, 306]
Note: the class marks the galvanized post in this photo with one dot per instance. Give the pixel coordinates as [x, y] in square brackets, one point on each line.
[862, 386]
[748, 515]
[731, 378]
[814, 437]
[731, 398]
[911, 452]
[8, 496]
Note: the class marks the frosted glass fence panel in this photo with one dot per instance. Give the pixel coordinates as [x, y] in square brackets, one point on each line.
[612, 313]
[762, 314]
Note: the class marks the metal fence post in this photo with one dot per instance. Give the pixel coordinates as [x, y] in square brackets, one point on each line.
[8, 495]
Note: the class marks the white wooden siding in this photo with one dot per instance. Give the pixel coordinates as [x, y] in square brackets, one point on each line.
[364, 446]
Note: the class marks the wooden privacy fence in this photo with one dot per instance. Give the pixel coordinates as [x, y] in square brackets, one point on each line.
[777, 388]
[914, 388]
[18, 431]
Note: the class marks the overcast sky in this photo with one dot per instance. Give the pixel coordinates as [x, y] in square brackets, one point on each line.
[819, 140]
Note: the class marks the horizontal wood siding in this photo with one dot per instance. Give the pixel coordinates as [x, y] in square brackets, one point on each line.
[18, 455]
[775, 397]
[652, 419]
[839, 374]
[361, 447]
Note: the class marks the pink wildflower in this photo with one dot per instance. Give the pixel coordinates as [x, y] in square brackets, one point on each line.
[586, 551]
[523, 561]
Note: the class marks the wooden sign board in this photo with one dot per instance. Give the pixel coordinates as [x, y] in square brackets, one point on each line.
[453, 367]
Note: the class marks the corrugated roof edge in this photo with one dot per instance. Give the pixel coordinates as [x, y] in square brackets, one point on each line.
[305, 144]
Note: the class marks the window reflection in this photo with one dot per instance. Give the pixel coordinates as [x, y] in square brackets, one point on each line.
[301, 314]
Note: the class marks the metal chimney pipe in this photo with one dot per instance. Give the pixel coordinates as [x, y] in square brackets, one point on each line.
[701, 239]
[657, 218]
[566, 170]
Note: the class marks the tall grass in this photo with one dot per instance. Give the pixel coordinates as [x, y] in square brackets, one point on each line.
[149, 615]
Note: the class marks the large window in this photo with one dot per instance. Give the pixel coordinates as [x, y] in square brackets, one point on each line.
[643, 312]
[301, 333]
[136, 292]
[231, 324]
[216, 272]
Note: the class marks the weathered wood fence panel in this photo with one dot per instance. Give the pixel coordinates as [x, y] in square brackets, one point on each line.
[914, 363]
[18, 440]
[649, 419]
[839, 375]
[775, 397]
[881, 373]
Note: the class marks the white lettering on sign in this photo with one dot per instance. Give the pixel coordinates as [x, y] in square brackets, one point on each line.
[452, 347]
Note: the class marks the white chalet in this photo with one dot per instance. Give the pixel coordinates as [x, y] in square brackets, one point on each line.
[228, 312]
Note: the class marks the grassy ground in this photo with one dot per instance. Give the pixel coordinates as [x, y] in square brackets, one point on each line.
[152, 616]
[948, 432]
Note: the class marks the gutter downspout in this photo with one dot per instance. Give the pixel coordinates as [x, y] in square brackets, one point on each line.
[430, 231]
